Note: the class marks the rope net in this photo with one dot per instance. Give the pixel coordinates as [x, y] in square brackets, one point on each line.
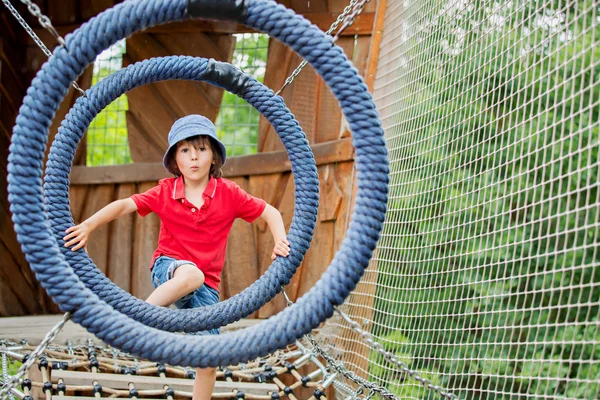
[486, 280]
[101, 371]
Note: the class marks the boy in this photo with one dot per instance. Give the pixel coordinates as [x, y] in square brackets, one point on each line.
[196, 209]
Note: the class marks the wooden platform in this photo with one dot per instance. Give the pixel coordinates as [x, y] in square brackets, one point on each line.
[34, 328]
[76, 378]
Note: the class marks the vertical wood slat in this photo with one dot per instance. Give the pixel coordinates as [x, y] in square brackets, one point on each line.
[145, 241]
[120, 250]
[241, 260]
[98, 243]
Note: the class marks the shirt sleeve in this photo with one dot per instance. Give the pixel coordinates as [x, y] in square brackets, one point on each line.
[248, 207]
[148, 201]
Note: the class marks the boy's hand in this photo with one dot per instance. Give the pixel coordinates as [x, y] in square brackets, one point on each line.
[77, 235]
[282, 248]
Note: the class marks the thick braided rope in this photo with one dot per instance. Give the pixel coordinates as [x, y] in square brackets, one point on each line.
[56, 192]
[63, 285]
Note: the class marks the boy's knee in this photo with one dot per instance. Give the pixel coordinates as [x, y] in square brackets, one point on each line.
[192, 277]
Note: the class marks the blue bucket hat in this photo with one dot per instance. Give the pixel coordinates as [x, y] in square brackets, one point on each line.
[188, 126]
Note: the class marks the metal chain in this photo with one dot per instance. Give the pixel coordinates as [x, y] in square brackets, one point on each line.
[388, 356]
[18, 377]
[45, 22]
[348, 16]
[5, 369]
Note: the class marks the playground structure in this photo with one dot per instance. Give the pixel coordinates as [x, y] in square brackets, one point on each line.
[485, 281]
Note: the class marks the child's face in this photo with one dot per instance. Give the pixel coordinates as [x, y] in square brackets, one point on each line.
[194, 159]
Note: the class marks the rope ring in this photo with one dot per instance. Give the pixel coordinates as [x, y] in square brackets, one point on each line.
[304, 169]
[63, 285]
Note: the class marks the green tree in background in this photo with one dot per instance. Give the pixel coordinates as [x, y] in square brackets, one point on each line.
[107, 142]
[237, 122]
[493, 220]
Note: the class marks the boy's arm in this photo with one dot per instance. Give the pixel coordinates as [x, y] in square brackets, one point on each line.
[273, 218]
[78, 235]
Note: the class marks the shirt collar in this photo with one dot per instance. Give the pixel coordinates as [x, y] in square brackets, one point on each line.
[179, 188]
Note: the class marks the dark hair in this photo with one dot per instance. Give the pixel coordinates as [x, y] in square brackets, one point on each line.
[198, 140]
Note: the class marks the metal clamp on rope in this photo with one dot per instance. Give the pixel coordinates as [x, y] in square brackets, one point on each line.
[232, 10]
[226, 76]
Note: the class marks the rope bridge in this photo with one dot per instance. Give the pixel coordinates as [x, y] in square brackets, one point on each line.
[75, 371]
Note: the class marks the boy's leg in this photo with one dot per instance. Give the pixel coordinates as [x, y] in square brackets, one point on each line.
[204, 383]
[186, 279]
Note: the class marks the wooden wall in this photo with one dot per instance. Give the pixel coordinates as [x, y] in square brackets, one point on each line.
[123, 248]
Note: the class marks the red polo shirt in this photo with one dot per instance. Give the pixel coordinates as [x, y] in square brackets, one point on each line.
[197, 235]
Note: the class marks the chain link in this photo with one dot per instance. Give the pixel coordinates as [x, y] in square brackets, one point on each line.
[5, 369]
[45, 22]
[374, 345]
[391, 357]
[18, 378]
[348, 16]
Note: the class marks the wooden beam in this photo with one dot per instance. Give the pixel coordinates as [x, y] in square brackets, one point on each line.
[375, 44]
[363, 25]
[256, 164]
[114, 381]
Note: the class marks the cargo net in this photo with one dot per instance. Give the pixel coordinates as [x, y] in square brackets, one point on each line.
[88, 371]
[487, 280]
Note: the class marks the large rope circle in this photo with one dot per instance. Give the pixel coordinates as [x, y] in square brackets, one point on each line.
[64, 286]
[60, 159]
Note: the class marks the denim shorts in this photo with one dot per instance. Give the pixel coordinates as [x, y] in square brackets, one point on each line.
[163, 269]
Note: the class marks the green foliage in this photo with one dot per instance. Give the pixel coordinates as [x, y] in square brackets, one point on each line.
[493, 221]
[237, 123]
[107, 142]
[13, 367]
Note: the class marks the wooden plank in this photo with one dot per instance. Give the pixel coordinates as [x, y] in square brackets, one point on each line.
[329, 114]
[10, 304]
[362, 26]
[286, 208]
[321, 251]
[15, 268]
[305, 101]
[78, 378]
[141, 145]
[219, 47]
[97, 246]
[77, 196]
[304, 7]
[63, 12]
[271, 189]
[279, 59]
[93, 8]
[120, 250]
[11, 88]
[68, 101]
[153, 119]
[375, 44]
[301, 98]
[34, 328]
[344, 175]
[241, 261]
[255, 164]
[145, 242]
[337, 6]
